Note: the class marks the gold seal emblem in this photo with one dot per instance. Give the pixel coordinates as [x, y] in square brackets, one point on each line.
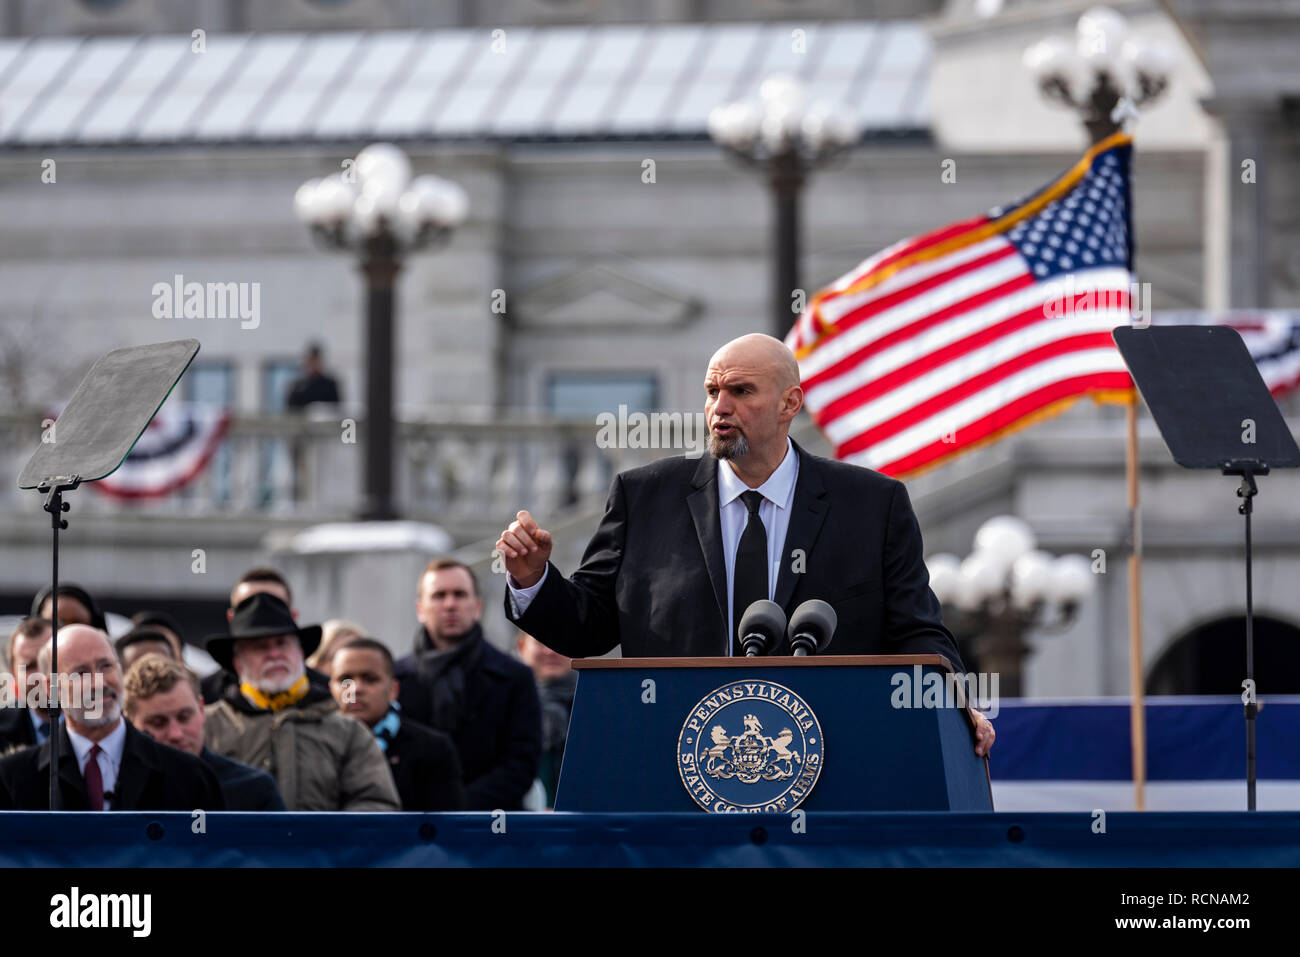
[750, 770]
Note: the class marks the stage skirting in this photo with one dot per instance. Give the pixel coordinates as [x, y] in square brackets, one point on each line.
[1075, 755]
[521, 839]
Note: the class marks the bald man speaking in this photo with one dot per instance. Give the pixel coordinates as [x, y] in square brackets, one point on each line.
[685, 546]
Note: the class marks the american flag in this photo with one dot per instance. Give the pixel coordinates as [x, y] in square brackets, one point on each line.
[949, 341]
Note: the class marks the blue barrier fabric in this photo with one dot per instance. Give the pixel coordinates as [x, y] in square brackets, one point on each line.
[520, 839]
[1187, 740]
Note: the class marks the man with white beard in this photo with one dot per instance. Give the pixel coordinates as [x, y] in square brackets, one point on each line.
[104, 763]
[278, 720]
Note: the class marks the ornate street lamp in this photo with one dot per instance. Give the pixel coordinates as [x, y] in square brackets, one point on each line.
[1004, 589]
[785, 138]
[379, 214]
[1104, 76]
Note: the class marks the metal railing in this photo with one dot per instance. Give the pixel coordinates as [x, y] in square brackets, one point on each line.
[457, 472]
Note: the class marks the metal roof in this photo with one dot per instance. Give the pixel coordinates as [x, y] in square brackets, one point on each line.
[552, 84]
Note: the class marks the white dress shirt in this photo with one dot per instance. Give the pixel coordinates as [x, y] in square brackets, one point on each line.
[774, 510]
[109, 757]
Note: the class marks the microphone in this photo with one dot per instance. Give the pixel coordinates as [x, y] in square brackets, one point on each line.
[760, 626]
[811, 627]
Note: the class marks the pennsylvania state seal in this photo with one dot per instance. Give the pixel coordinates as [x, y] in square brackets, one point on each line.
[750, 746]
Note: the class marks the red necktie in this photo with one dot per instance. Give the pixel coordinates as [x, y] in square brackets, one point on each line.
[94, 780]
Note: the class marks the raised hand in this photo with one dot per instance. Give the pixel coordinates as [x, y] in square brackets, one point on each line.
[526, 548]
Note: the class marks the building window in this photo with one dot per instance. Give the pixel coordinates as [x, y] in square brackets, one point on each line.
[277, 377]
[584, 395]
[211, 382]
[581, 395]
[278, 459]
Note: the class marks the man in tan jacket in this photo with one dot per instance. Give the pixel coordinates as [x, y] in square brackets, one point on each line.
[276, 720]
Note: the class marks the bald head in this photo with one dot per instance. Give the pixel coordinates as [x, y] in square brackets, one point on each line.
[752, 393]
[77, 642]
[92, 702]
[763, 353]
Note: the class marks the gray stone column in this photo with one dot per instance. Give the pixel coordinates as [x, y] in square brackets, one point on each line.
[1250, 127]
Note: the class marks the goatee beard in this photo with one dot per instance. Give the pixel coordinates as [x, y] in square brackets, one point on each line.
[732, 448]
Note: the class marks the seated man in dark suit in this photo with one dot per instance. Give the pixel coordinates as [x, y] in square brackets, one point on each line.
[685, 547]
[163, 700]
[104, 763]
[425, 767]
[21, 724]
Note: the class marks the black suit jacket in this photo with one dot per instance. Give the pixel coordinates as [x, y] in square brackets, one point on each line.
[245, 788]
[499, 736]
[16, 729]
[153, 777]
[425, 769]
[653, 577]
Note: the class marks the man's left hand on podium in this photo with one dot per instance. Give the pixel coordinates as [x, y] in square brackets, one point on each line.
[984, 733]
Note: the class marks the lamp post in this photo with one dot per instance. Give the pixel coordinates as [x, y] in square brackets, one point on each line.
[785, 138]
[377, 212]
[1004, 589]
[1104, 76]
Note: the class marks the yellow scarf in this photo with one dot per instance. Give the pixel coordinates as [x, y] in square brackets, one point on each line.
[278, 701]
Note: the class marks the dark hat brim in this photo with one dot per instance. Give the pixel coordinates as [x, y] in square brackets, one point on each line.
[222, 647]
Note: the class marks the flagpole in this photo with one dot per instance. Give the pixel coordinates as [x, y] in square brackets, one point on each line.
[1137, 713]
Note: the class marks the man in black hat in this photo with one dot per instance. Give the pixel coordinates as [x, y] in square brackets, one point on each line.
[257, 579]
[104, 763]
[277, 720]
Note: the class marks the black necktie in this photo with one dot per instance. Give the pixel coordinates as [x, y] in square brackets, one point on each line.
[750, 582]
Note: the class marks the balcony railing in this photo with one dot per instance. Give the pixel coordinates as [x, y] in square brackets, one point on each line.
[466, 475]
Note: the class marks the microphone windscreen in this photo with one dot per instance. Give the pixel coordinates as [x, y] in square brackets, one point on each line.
[765, 618]
[814, 617]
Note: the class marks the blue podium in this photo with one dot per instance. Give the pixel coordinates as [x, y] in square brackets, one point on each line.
[769, 735]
